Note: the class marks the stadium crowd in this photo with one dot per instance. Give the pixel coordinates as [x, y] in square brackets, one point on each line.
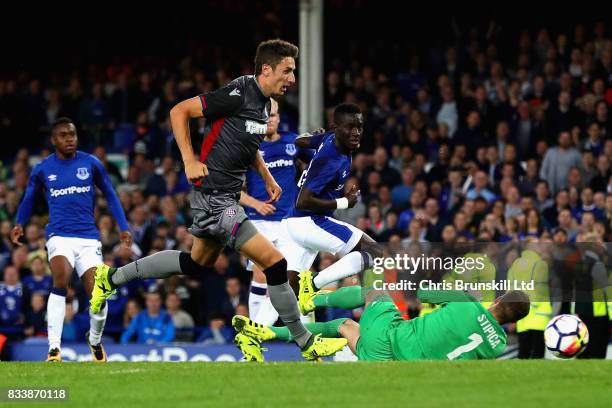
[457, 148]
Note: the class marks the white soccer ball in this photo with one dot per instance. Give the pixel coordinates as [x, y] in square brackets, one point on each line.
[566, 336]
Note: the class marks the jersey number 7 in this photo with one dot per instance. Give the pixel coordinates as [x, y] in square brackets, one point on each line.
[476, 341]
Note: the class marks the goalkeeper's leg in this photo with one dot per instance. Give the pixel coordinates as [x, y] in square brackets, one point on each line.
[348, 297]
[347, 328]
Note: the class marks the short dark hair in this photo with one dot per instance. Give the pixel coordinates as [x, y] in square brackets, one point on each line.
[512, 306]
[345, 109]
[272, 52]
[61, 121]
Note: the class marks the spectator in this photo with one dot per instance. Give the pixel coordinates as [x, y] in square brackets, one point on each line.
[153, 325]
[400, 194]
[558, 161]
[12, 298]
[132, 309]
[35, 324]
[40, 281]
[480, 188]
[183, 322]
[217, 332]
[234, 295]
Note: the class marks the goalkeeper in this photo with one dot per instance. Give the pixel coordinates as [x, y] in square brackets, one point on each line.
[460, 329]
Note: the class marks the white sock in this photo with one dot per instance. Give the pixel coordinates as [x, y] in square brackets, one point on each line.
[267, 314]
[56, 311]
[96, 325]
[257, 295]
[346, 266]
[309, 318]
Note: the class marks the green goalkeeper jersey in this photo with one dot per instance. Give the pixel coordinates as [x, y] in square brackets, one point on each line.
[460, 329]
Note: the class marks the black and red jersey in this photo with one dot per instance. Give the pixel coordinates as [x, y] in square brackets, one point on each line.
[237, 115]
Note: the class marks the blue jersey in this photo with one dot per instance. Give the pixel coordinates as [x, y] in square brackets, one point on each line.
[326, 174]
[42, 285]
[11, 303]
[70, 189]
[159, 329]
[280, 157]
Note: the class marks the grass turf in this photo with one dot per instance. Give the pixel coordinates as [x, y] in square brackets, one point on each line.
[408, 384]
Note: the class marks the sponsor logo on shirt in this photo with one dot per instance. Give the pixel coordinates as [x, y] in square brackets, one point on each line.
[279, 163]
[82, 173]
[52, 177]
[56, 192]
[235, 92]
[255, 128]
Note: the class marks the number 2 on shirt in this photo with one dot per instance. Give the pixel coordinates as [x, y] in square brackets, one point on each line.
[476, 341]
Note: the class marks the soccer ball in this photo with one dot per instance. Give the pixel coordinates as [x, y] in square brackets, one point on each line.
[566, 336]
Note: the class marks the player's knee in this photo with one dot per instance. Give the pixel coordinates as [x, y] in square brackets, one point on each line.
[276, 274]
[60, 282]
[191, 267]
[371, 247]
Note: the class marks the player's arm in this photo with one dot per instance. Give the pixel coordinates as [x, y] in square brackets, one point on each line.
[437, 297]
[259, 206]
[25, 208]
[103, 182]
[307, 200]
[310, 140]
[220, 103]
[272, 187]
[318, 175]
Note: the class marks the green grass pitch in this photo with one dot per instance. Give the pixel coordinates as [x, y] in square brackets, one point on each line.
[300, 384]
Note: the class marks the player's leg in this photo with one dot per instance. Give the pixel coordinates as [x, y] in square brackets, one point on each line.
[88, 254]
[325, 329]
[257, 292]
[327, 234]
[160, 265]
[349, 297]
[260, 332]
[358, 258]
[257, 248]
[259, 288]
[61, 269]
[61, 259]
[262, 253]
[298, 259]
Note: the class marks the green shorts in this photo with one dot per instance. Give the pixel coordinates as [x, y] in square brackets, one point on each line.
[380, 316]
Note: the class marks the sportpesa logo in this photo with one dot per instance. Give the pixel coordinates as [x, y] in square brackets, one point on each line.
[279, 163]
[56, 192]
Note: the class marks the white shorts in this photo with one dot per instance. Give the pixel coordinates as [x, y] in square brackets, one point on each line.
[82, 253]
[272, 231]
[308, 236]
